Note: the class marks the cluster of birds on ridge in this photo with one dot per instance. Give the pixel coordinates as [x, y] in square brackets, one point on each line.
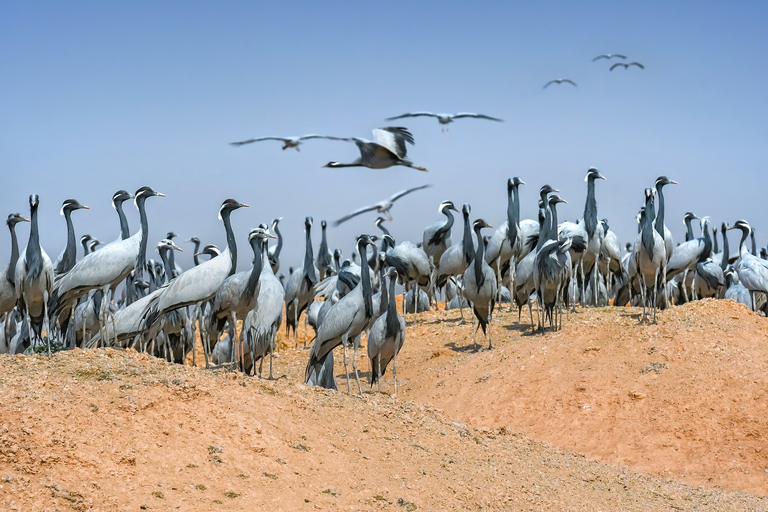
[114, 297]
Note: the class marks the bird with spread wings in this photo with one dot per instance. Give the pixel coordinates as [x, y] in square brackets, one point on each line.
[381, 207]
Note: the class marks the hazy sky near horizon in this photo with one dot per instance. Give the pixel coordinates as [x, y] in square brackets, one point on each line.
[101, 96]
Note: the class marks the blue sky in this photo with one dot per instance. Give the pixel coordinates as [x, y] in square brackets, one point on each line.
[99, 96]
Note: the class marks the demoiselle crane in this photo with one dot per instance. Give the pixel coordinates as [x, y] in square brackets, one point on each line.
[446, 119]
[288, 142]
[480, 286]
[299, 289]
[66, 260]
[382, 207]
[752, 270]
[8, 278]
[386, 337]
[387, 149]
[437, 236]
[649, 257]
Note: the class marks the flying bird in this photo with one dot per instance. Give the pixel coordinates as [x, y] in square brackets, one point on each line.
[626, 66]
[381, 207]
[387, 149]
[445, 119]
[288, 142]
[608, 56]
[560, 81]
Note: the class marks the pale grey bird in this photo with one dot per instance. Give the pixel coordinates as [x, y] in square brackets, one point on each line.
[552, 268]
[708, 280]
[262, 323]
[560, 81]
[445, 119]
[387, 149]
[66, 260]
[8, 278]
[739, 293]
[84, 242]
[649, 257]
[626, 66]
[411, 263]
[288, 142]
[195, 256]
[661, 228]
[346, 319]
[752, 270]
[506, 243]
[324, 257]
[34, 280]
[687, 219]
[104, 269]
[480, 286]
[210, 250]
[237, 294]
[382, 207]
[457, 258]
[386, 337]
[300, 287]
[588, 268]
[118, 199]
[437, 236]
[686, 255]
[609, 56]
[172, 342]
[274, 251]
[198, 284]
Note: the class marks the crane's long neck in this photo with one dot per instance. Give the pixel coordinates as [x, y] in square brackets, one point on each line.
[85, 247]
[689, 229]
[542, 229]
[715, 248]
[34, 253]
[309, 260]
[445, 229]
[253, 278]
[479, 259]
[646, 236]
[590, 209]
[707, 252]
[754, 245]
[70, 250]
[659, 224]
[142, 257]
[365, 281]
[553, 222]
[279, 246]
[384, 294]
[166, 264]
[724, 260]
[124, 231]
[265, 257]
[466, 241]
[373, 261]
[744, 235]
[511, 219]
[231, 242]
[392, 324]
[10, 274]
[323, 241]
[195, 256]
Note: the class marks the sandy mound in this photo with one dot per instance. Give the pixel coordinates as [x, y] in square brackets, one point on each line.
[113, 430]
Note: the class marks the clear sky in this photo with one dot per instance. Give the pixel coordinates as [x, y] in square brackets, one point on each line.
[99, 96]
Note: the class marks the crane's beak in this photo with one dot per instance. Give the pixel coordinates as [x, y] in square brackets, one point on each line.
[673, 182]
[159, 194]
[178, 248]
[84, 207]
[24, 219]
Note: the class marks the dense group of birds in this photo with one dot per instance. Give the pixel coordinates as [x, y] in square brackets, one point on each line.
[114, 296]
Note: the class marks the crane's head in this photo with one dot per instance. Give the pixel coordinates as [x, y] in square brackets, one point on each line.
[480, 224]
[649, 194]
[210, 250]
[554, 199]
[323, 224]
[119, 197]
[663, 180]
[34, 201]
[85, 239]
[260, 233]
[379, 220]
[145, 192]
[171, 235]
[93, 244]
[337, 254]
[194, 240]
[333, 164]
[447, 205]
[391, 272]
[546, 189]
[363, 241]
[308, 222]
[688, 217]
[592, 174]
[514, 182]
[168, 244]
[704, 222]
[742, 225]
[72, 205]
[230, 205]
[15, 218]
[276, 222]
[466, 210]
[389, 242]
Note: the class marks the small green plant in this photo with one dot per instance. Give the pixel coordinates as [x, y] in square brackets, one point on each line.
[42, 346]
[94, 407]
[200, 487]
[191, 465]
[302, 447]
[270, 475]
[231, 494]
[243, 476]
[158, 494]
[332, 492]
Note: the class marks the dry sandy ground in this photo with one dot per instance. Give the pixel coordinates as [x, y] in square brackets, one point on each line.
[603, 415]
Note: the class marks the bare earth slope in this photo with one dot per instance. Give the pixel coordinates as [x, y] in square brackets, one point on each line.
[109, 430]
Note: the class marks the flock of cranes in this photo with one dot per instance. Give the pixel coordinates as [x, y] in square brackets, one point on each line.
[115, 297]
[606, 56]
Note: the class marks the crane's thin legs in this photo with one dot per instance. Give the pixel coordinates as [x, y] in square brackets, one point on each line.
[581, 275]
[378, 371]
[203, 336]
[513, 276]
[474, 331]
[394, 372]
[85, 309]
[655, 291]
[46, 321]
[490, 320]
[306, 321]
[194, 336]
[530, 311]
[685, 288]
[296, 321]
[346, 367]
[355, 346]
[271, 349]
